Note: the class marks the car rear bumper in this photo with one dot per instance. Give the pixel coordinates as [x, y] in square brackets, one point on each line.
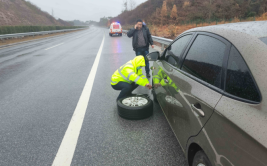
[115, 32]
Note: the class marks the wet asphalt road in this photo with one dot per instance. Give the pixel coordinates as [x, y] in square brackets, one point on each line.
[39, 92]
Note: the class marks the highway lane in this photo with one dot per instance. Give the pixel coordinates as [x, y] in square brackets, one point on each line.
[40, 90]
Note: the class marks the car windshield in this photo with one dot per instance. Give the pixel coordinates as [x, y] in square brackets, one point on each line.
[264, 40]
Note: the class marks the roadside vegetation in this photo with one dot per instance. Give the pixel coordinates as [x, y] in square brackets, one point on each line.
[169, 18]
[171, 31]
[25, 13]
[22, 29]
[158, 12]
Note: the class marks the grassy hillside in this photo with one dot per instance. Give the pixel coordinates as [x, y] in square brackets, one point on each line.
[160, 12]
[22, 12]
[172, 31]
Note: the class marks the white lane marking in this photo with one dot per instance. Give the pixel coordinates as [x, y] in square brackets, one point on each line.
[54, 46]
[67, 148]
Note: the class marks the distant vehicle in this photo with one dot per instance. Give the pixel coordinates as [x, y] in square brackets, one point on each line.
[211, 85]
[115, 29]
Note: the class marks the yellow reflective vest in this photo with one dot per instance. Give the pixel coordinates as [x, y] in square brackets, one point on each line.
[160, 78]
[129, 73]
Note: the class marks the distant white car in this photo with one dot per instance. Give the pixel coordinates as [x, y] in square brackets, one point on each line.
[115, 29]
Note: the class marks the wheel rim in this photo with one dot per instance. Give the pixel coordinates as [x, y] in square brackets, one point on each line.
[200, 164]
[134, 101]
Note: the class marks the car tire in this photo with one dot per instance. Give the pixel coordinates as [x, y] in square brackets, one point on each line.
[135, 112]
[201, 158]
[110, 35]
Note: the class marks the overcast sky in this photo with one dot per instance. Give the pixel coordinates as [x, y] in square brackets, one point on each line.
[83, 10]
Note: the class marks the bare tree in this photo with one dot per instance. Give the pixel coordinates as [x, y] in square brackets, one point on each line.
[174, 12]
[124, 5]
[132, 4]
[163, 12]
[210, 10]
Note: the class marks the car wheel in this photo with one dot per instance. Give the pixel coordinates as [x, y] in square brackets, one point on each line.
[201, 159]
[135, 107]
[110, 34]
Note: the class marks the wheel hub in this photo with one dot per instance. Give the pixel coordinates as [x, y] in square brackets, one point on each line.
[134, 101]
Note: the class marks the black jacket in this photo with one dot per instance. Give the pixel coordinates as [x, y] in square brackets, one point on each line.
[133, 33]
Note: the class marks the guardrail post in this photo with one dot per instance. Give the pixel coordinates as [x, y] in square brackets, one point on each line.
[162, 47]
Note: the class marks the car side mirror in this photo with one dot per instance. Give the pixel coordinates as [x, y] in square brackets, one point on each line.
[153, 56]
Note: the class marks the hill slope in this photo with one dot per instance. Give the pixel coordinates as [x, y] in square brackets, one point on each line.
[151, 10]
[21, 12]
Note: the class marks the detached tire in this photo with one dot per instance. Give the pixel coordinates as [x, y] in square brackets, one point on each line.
[135, 107]
[201, 159]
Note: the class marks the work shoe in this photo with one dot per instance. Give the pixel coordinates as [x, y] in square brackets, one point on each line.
[148, 75]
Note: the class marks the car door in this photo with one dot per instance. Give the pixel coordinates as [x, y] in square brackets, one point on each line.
[236, 128]
[199, 79]
[163, 67]
[159, 78]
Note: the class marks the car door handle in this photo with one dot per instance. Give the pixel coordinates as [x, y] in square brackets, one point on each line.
[198, 110]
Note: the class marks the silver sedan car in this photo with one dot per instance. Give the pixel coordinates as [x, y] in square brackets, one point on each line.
[211, 83]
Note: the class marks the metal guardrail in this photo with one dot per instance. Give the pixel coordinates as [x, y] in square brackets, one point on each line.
[161, 40]
[16, 35]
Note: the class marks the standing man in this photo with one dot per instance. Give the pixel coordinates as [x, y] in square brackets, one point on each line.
[141, 40]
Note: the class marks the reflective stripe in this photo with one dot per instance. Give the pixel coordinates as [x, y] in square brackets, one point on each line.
[130, 75]
[123, 76]
[137, 78]
[157, 78]
[119, 70]
[113, 82]
[125, 65]
[121, 67]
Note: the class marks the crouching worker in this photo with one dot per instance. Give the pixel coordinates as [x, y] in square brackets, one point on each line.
[129, 76]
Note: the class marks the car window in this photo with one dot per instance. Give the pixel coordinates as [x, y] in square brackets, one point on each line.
[264, 40]
[239, 81]
[172, 60]
[177, 48]
[205, 58]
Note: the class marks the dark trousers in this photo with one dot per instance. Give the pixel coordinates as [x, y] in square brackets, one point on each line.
[143, 51]
[126, 89]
